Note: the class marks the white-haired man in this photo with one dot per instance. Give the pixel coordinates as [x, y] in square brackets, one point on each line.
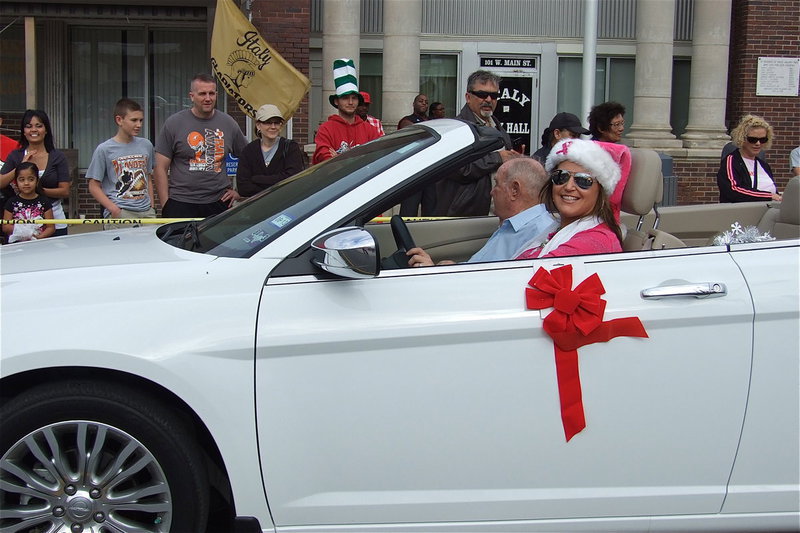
[523, 218]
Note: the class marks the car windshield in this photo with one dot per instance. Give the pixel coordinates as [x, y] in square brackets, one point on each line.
[246, 228]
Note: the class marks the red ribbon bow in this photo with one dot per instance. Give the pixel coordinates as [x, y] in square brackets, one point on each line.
[576, 320]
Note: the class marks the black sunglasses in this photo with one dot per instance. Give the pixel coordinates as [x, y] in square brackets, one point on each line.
[485, 94]
[754, 140]
[560, 176]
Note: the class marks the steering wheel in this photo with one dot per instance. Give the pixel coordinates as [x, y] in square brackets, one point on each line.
[402, 237]
[404, 242]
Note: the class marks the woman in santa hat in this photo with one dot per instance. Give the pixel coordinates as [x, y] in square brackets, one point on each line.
[585, 186]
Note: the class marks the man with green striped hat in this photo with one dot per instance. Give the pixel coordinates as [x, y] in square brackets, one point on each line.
[345, 129]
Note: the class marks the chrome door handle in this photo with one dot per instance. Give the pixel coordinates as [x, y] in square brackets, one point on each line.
[695, 290]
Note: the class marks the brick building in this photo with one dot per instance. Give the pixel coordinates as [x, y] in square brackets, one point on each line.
[758, 28]
[702, 57]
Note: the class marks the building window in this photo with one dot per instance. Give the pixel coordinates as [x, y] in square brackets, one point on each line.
[619, 85]
[613, 82]
[151, 66]
[439, 81]
[12, 72]
[107, 64]
[176, 56]
[570, 78]
[679, 110]
[370, 79]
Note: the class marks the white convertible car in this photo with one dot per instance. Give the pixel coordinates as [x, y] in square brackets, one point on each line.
[274, 365]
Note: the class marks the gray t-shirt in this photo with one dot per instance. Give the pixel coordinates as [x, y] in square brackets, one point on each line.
[123, 170]
[794, 158]
[197, 148]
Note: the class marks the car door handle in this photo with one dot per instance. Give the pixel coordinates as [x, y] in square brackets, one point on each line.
[695, 290]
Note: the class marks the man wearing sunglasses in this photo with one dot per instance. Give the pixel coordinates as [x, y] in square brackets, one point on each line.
[466, 193]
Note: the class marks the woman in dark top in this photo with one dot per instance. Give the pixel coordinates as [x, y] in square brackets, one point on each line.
[270, 158]
[38, 146]
[742, 176]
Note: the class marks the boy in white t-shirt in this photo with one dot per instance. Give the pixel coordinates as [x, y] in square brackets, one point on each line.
[120, 173]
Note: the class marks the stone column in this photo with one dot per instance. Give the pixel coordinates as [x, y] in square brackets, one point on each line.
[709, 79]
[341, 31]
[655, 28]
[402, 24]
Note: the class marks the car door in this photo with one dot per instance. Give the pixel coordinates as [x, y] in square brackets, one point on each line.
[766, 476]
[430, 395]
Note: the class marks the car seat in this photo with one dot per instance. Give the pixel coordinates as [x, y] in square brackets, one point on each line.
[782, 220]
[643, 192]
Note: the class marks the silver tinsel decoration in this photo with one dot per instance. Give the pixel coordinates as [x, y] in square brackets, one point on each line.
[739, 235]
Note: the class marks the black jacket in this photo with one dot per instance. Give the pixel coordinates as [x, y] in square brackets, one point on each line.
[466, 192]
[253, 176]
[733, 180]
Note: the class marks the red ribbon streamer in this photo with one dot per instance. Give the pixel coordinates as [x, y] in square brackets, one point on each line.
[576, 320]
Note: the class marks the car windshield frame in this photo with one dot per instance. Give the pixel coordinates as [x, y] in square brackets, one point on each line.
[246, 228]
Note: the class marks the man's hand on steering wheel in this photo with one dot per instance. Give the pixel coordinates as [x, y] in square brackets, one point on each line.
[419, 257]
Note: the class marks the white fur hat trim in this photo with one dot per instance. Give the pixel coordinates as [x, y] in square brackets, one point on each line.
[590, 156]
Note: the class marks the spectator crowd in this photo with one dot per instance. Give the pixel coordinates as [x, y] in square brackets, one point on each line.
[185, 170]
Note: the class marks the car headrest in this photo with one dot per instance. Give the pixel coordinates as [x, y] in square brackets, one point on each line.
[645, 185]
[790, 205]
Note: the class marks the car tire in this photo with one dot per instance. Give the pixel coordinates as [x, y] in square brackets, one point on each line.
[101, 455]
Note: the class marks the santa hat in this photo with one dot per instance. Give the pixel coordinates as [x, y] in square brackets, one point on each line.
[621, 155]
[591, 156]
[345, 80]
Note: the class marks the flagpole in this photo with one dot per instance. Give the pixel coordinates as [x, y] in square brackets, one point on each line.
[247, 5]
[589, 58]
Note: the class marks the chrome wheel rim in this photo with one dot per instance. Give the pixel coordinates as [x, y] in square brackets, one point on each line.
[81, 477]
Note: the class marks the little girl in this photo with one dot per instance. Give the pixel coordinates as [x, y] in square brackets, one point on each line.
[28, 204]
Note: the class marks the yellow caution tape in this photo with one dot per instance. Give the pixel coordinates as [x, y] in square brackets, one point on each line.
[411, 219]
[137, 221]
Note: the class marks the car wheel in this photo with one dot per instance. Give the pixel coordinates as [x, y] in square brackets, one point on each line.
[88, 456]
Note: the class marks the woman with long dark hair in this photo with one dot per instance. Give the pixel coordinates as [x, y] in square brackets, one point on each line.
[37, 146]
[583, 179]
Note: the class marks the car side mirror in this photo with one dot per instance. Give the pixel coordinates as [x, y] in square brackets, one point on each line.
[348, 252]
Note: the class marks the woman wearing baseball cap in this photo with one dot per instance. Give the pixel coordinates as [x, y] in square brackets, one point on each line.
[563, 126]
[270, 158]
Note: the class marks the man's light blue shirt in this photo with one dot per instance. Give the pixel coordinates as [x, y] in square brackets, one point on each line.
[514, 233]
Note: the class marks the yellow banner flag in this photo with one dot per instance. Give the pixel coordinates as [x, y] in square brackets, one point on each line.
[249, 69]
